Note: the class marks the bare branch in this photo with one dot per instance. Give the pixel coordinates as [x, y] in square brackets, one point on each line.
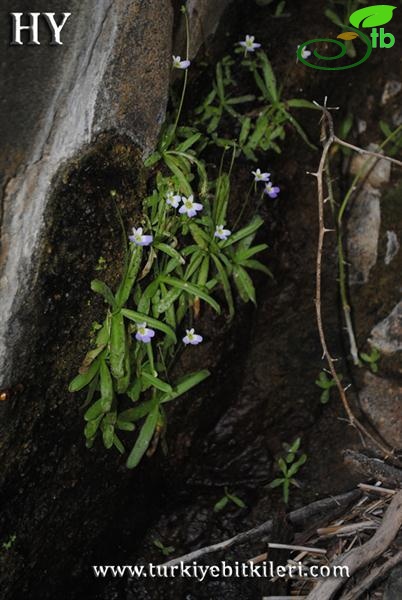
[329, 138]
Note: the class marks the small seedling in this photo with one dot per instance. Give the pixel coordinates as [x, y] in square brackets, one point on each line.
[101, 266]
[288, 466]
[165, 550]
[228, 497]
[325, 384]
[9, 543]
[371, 359]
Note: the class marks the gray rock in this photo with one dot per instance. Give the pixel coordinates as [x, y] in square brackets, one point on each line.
[379, 174]
[363, 232]
[364, 222]
[391, 89]
[111, 75]
[393, 247]
[381, 401]
[387, 335]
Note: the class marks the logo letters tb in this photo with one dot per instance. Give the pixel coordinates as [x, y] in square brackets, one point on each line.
[33, 27]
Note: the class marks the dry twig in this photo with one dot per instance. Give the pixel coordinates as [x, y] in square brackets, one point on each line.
[373, 468]
[366, 554]
[374, 576]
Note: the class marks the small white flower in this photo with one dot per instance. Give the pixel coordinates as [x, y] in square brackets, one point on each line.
[178, 63]
[272, 190]
[249, 45]
[305, 53]
[258, 176]
[139, 239]
[173, 199]
[189, 207]
[144, 333]
[192, 338]
[222, 233]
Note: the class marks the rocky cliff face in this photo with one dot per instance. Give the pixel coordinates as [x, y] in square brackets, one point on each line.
[111, 75]
[75, 123]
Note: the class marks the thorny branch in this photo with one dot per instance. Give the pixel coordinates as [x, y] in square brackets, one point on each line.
[329, 138]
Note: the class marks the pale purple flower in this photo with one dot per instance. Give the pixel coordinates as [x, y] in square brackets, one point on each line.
[173, 199]
[222, 233]
[139, 239]
[192, 338]
[305, 53]
[189, 207]
[249, 45]
[258, 176]
[178, 63]
[272, 190]
[144, 333]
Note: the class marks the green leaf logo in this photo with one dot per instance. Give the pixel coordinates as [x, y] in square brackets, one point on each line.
[372, 16]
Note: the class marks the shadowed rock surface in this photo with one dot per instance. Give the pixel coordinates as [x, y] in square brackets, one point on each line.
[108, 77]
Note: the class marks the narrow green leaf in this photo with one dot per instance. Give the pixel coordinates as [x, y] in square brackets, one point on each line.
[256, 265]
[245, 130]
[83, 379]
[203, 272]
[255, 224]
[192, 289]
[236, 500]
[299, 129]
[106, 386]
[125, 425]
[107, 434]
[170, 252]
[269, 77]
[199, 236]
[244, 284]
[95, 410]
[186, 384]
[92, 427]
[244, 254]
[144, 438]
[225, 284]
[117, 345]
[157, 383]
[118, 445]
[276, 483]
[104, 290]
[182, 182]
[130, 275]
[134, 414]
[184, 146]
[168, 300]
[300, 103]
[220, 505]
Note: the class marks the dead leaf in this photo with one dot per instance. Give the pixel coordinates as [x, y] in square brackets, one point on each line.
[348, 35]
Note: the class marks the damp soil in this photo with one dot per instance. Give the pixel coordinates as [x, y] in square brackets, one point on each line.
[70, 507]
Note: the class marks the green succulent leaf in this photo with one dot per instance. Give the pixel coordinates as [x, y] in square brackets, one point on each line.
[144, 438]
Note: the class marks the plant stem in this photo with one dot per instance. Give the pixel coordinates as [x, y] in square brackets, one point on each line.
[329, 139]
[183, 94]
